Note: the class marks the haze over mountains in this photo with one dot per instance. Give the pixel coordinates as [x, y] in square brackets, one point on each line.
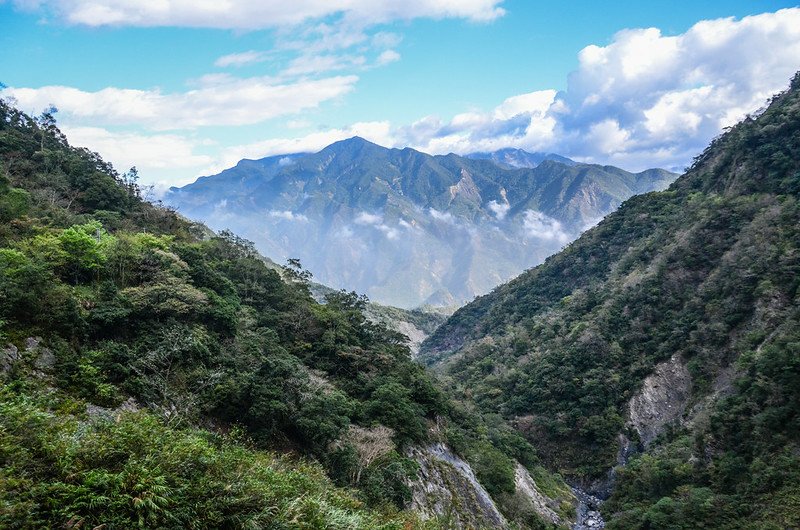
[408, 228]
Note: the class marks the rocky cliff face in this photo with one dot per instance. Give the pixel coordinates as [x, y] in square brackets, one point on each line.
[448, 491]
[661, 401]
[529, 495]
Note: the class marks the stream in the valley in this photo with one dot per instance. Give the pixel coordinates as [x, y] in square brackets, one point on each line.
[589, 517]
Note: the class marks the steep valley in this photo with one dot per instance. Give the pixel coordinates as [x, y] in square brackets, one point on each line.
[157, 374]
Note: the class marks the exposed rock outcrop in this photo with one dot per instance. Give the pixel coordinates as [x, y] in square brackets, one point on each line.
[41, 359]
[662, 399]
[541, 503]
[415, 335]
[8, 358]
[446, 489]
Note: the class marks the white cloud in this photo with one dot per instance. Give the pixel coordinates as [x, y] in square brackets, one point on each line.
[287, 215]
[218, 100]
[500, 210]
[386, 57]
[389, 232]
[247, 14]
[240, 59]
[540, 226]
[315, 64]
[386, 39]
[376, 221]
[643, 100]
[365, 218]
[535, 103]
[521, 121]
[445, 217]
[648, 99]
[149, 153]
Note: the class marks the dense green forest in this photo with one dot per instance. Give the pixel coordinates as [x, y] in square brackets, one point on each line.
[706, 273]
[152, 371]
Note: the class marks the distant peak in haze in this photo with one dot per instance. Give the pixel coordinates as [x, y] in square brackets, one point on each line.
[514, 157]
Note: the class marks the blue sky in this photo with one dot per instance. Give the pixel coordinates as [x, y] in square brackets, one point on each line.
[188, 90]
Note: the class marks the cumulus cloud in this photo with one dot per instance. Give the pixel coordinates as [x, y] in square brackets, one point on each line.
[645, 99]
[521, 120]
[288, 215]
[500, 210]
[445, 217]
[647, 94]
[365, 218]
[376, 221]
[149, 153]
[218, 100]
[246, 14]
[540, 226]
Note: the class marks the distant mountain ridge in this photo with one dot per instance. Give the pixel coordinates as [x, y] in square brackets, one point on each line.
[519, 158]
[405, 227]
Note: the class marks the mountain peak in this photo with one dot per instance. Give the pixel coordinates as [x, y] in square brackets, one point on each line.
[354, 141]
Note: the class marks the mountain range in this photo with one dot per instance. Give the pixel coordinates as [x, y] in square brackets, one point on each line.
[407, 228]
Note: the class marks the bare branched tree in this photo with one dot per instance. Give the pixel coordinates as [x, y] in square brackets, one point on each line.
[370, 444]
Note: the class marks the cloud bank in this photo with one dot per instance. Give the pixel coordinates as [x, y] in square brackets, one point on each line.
[219, 100]
[645, 99]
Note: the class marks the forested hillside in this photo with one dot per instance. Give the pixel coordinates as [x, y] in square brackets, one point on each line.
[683, 304]
[152, 372]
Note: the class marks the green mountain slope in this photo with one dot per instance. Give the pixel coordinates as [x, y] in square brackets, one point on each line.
[150, 370]
[404, 227]
[671, 327]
